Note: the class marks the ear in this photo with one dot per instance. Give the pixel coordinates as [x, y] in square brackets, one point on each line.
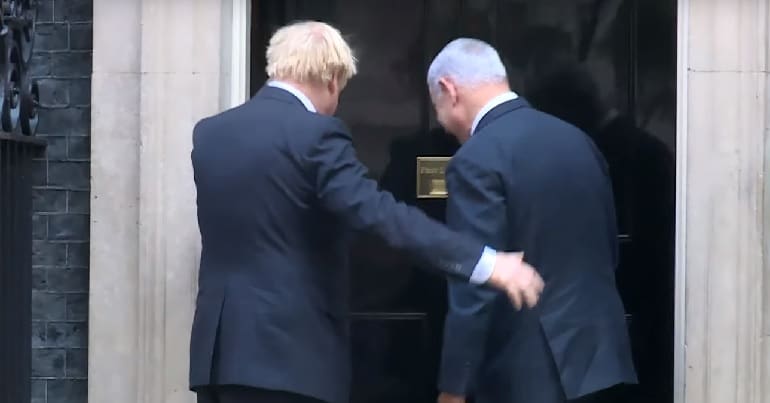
[448, 89]
[333, 86]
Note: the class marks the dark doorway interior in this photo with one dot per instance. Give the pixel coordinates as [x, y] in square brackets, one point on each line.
[607, 66]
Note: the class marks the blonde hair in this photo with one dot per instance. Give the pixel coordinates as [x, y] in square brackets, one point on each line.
[309, 51]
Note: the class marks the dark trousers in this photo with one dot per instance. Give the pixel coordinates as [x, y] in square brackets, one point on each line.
[242, 394]
[612, 395]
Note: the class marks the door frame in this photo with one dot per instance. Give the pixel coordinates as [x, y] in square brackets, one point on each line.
[236, 49]
[680, 237]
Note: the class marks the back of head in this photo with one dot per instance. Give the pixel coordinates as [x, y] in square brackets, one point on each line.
[469, 62]
[309, 52]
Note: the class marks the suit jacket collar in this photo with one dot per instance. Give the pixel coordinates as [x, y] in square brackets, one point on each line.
[278, 94]
[501, 110]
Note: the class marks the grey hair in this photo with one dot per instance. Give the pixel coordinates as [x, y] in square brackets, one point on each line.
[468, 62]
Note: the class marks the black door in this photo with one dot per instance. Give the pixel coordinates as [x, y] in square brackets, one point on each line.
[606, 66]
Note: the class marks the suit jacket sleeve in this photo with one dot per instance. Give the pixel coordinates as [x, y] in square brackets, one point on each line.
[343, 188]
[477, 207]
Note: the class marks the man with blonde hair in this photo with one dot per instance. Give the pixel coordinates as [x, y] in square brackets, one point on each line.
[278, 188]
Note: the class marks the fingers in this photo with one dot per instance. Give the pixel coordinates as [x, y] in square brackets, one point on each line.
[530, 297]
[529, 286]
[521, 282]
[540, 284]
[535, 283]
[534, 288]
[515, 296]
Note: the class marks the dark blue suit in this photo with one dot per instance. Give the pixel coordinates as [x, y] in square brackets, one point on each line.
[278, 189]
[529, 182]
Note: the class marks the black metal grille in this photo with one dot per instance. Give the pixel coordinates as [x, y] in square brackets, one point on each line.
[16, 153]
[18, 147]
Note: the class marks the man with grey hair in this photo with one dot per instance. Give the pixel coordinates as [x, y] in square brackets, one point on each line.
[524, 180]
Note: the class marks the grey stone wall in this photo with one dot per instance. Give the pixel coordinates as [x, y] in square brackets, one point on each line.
[62, 63]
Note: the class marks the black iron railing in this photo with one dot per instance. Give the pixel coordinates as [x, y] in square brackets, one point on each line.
[16, 153]
[18, 147]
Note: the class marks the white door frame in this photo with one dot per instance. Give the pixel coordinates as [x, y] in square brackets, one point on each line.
[240, 52]
[680, 267]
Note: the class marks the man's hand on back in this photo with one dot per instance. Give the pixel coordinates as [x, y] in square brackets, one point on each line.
[517, 278]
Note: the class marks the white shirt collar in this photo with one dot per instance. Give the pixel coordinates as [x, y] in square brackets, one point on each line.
[492, 104]
[293, 91]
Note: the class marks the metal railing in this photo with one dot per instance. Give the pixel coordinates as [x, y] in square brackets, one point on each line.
[16, 153]
[18, 147]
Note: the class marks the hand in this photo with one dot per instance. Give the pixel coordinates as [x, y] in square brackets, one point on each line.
[517, 278]
[448, 398]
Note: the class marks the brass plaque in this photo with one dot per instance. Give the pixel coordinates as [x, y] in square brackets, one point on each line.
[431, 179]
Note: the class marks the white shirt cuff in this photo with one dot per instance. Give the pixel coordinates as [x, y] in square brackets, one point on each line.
[484, 268]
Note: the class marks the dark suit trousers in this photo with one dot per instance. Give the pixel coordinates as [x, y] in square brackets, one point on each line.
[241, 394]
[611, 395]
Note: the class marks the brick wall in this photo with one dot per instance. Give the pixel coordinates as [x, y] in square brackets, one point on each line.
[62, 63]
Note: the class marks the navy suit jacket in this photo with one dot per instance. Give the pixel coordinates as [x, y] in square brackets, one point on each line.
[526, 181]
[278, 190]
